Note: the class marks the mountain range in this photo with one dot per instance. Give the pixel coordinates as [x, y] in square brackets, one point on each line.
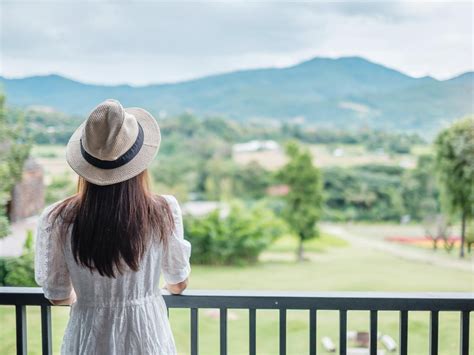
[347, 92]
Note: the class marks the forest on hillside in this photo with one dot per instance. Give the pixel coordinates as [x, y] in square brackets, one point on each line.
[196, 161]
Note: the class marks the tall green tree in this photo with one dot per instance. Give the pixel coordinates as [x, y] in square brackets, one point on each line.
[302, 208]
[14, 149]
[455, 167]
[420, 189]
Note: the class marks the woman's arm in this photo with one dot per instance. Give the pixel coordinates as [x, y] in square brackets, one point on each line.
[177, 289]
[66, 302]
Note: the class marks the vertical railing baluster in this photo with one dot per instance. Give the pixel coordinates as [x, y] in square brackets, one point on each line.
[464, 332]
[252, 331]
[403, 332]
[342, 332]
[282, 331]
[312, 331]
[373, 332]
[434, 320]
[46, 342]
[194, 331]
[20, 312]
[223, 330]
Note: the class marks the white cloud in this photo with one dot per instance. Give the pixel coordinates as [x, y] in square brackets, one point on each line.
[147, 42]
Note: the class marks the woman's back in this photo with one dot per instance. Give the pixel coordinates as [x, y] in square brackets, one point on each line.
[121, 315]
[108, 244]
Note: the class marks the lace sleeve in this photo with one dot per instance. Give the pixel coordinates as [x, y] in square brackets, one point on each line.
[177, 250]
[51, 271]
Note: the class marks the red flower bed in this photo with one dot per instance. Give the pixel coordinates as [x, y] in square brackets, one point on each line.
[420, 241]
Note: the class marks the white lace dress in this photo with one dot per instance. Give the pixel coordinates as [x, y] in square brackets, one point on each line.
[126, 315]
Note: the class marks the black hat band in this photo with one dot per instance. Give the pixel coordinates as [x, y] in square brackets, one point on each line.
[120, 161]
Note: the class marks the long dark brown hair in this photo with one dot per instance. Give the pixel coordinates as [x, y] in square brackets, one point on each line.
[113, 225]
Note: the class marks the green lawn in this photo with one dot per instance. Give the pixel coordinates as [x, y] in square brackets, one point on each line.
[333, 266]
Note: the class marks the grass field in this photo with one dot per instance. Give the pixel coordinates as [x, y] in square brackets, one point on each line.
[334, 266]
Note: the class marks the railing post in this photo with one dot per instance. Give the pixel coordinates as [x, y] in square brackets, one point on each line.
[312, 331]
[194, 331]
[373, 332]
[403, 332]
[252, 331]
[342, 332]
[282, 331]
[223, 330]
[46, 330]
[464, 332]
[434, 320]
[20, 312]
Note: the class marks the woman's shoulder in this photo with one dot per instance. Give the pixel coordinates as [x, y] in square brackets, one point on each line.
[46, 215]
[171, 200]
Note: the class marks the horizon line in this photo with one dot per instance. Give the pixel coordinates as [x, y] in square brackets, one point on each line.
[181, 81]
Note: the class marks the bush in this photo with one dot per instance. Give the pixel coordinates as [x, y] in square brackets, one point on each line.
[234, 239]
[19, 271]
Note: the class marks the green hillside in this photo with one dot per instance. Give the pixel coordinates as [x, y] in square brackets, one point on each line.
[345, 92]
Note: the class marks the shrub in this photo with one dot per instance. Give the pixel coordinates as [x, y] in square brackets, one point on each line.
[235, 238]
[19, 271]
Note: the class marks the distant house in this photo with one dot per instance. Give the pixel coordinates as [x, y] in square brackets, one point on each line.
[28, 195]
[255, 146]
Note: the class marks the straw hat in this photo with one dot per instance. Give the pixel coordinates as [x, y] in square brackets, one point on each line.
[114, 144]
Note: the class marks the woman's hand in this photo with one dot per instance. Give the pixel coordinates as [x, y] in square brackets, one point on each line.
[176, 289]
[66, 302]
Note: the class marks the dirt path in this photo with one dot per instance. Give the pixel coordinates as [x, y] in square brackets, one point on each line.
[420, 255]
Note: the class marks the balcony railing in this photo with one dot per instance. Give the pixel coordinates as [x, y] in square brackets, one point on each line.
[281, 301]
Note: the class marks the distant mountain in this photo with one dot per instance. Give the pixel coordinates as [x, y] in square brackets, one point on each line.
[345, 92]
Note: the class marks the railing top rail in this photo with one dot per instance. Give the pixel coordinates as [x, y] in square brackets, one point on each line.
[441, 301]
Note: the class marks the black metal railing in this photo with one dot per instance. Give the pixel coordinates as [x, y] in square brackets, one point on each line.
[343, 302]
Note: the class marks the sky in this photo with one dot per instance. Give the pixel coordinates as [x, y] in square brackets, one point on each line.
[144, 42]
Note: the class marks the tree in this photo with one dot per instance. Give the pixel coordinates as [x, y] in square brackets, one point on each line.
[437, 228]
[15, 147]
[420, 190]
[303, 202]
[455, 167]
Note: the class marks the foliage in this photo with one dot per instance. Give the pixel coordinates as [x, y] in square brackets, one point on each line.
[420, 190]
[59, 188]
[235, 238]
[49, 126]
[372, 140]
[303, 202]
[209, 172]
[470, 234]
[362, 194]
[438, 228]
[14, 150]
[455, 167]
[195, 161]
[19, 271]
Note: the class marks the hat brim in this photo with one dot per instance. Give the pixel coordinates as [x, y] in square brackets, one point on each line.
[151, 145]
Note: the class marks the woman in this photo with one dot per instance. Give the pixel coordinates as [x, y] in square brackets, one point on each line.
[103, 249]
